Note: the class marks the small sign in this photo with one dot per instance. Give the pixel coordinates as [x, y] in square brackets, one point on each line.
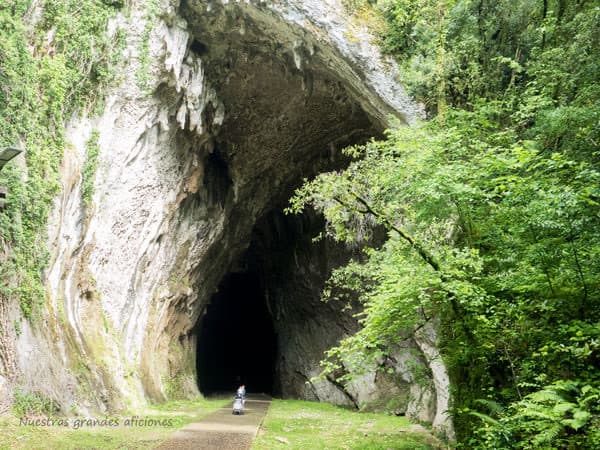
[8, 153]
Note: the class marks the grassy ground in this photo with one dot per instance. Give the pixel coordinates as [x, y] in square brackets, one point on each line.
[172, 416]
[295, 424]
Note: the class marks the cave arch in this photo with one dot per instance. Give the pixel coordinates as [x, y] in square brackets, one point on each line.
[291, 104]
[278, 105]
[241, 102]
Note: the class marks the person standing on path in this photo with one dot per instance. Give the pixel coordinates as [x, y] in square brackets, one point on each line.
[242, 392]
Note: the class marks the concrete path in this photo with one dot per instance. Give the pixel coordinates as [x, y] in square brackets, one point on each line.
[222, 430]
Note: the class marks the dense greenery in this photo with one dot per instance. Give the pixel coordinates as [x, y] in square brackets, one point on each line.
[50, 67]
[492, 211]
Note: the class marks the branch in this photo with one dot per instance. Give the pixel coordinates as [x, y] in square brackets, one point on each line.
[362, 211]
[423, 253]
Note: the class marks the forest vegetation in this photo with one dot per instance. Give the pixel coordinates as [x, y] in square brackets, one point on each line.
[492, 212]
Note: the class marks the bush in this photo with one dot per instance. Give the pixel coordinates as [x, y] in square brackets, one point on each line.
[33, 403]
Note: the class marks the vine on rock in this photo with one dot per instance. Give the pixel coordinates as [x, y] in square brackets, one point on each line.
[56, 59]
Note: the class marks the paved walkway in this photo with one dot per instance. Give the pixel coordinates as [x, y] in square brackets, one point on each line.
[222, 430]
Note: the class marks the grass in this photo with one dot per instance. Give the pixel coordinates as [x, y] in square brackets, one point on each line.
[295, 424]
[289, 424]
[172, 415]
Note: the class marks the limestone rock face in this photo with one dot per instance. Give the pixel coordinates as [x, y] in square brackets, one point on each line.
[222, 110]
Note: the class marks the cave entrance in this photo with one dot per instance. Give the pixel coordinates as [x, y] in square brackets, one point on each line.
[236, 340]
[288, 103]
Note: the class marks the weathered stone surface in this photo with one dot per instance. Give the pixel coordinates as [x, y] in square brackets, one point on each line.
[240, 102]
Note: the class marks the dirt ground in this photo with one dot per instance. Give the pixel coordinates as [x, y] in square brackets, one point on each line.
[222, 430]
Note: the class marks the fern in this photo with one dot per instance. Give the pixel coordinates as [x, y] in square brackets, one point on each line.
[494, 407]
[559, 415]
[485, 418]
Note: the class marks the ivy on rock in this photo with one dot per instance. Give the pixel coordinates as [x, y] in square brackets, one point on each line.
[50, 68]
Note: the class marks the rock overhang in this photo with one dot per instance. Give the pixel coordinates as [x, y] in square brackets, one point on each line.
[291, 101]
[284, 103]
[285, 99]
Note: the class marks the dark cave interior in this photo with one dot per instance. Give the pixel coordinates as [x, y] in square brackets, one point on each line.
[236, 340]
[250, 326]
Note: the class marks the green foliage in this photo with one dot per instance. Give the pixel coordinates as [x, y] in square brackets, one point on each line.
[565, 414]
[89, 168]
[33, 403]
[142, 75]
[80, 40]
[462, 50]
[17, 326]
[492, 211]
[47, 73]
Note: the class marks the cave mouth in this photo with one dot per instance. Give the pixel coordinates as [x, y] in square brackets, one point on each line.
[291, 103]
[237, 343]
